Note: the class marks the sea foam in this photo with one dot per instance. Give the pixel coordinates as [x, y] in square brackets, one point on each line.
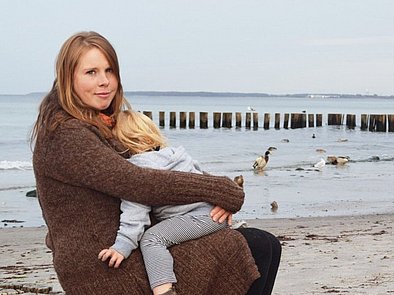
[15, 165]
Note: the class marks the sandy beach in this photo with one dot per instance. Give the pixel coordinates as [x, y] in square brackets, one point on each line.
[321, 255]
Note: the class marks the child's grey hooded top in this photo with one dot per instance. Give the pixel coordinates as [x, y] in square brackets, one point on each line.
[135, 217]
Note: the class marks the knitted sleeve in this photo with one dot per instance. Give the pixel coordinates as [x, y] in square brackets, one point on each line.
[76, 155]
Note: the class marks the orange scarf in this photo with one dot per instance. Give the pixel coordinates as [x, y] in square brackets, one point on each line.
[108, 121]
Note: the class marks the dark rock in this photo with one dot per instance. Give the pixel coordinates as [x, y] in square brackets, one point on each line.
[32, 194]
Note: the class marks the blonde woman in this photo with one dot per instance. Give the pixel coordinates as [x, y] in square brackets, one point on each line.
[82, 173]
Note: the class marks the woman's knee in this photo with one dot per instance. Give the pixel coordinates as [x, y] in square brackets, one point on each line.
[262, 244]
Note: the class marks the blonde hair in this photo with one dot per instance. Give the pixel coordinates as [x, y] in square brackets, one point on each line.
[137, 132]
[62, 94]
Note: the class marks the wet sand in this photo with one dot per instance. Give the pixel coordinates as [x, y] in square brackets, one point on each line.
[321, 255]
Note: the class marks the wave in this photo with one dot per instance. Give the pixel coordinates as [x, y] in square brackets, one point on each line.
[16, 165]
[19, 187]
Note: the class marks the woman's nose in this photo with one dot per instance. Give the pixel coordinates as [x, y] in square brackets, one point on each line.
[103, 80]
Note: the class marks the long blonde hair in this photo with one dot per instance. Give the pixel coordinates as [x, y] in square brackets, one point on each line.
[137, 132]
[62, 95]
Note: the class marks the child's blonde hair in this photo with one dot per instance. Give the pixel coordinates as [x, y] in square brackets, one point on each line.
[138, 132]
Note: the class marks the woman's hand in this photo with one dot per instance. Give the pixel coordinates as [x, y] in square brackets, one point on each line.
[220, 215]
[116, 257]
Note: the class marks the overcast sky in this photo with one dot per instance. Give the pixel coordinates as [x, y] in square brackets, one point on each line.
[276, 46]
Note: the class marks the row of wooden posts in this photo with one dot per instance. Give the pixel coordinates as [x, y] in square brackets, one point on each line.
[371, 122]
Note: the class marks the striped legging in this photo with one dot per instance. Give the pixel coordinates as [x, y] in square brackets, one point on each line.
[169, 232]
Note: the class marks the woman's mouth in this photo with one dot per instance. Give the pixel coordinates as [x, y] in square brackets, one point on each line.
[103, 94]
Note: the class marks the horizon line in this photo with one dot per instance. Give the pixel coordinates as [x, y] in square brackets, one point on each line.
[230, 93]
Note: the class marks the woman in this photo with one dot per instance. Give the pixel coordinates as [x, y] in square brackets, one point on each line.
[82, 173]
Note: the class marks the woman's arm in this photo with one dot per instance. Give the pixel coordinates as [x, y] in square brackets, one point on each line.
[78, 156]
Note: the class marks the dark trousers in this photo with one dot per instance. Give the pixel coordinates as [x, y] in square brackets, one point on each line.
[266, 250]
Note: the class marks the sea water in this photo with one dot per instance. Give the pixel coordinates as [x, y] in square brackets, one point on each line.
[363, 185]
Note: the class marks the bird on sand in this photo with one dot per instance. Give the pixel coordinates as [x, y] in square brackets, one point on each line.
[261, 162]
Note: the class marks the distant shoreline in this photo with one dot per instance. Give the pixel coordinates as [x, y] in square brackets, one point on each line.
[234, 94]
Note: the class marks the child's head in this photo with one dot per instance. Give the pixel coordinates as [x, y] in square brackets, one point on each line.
[137, 132]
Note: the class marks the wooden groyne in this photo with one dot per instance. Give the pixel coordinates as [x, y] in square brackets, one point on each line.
[252, 120]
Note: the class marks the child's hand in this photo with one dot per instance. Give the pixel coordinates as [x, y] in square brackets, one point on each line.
[116, 257]
[220, 215]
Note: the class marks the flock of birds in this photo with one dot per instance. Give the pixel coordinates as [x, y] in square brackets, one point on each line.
[261, 162]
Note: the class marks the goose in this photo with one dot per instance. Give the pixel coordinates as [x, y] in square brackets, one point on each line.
[261, 161]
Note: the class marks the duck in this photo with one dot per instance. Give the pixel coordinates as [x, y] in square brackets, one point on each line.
[340, 160]
[274, 206]
[239, 180]
[320, 150]
[261, 162]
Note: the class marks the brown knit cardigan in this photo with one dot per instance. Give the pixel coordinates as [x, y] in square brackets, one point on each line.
[80, 181]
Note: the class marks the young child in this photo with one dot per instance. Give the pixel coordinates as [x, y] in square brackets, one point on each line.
[177, 223]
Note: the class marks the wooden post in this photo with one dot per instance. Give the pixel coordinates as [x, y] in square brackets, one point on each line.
[216, 120]
[192, 120]
[303, 120]
[203, 120]
[227, 120]
[292, 121]
[148, 114]
[364, 122]
[248, 118]
[377, 123]
[172, 119]
[335, 119]
[182, 120]
[238, 120]
[351, 121]
[286, 121]
[372, 123]
[255, 121]
[277, 120]
[161, 119]
[319, 120]
[298, 120]
[267, 119]
[390, 119]
[311, 121]
[381, 123]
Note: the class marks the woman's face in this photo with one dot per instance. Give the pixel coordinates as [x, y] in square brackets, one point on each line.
[94, 80]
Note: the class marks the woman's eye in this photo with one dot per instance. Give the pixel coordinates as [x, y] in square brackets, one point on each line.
[109, 70]
[91, 72]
